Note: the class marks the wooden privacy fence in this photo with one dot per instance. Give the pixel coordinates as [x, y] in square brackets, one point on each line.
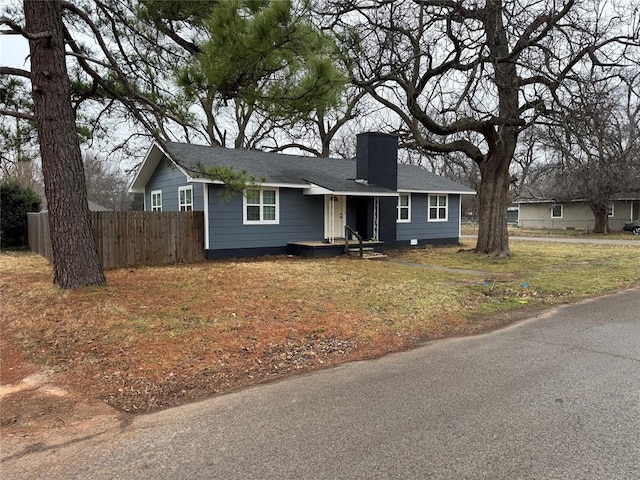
[128, 239]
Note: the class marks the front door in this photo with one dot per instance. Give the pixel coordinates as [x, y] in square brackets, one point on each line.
[335, 214]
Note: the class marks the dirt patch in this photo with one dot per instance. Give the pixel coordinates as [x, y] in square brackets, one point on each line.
[37, 412]
[37, 406]
[13, 367]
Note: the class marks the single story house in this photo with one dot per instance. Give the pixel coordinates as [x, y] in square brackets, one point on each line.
[301, 205]
[547, 213]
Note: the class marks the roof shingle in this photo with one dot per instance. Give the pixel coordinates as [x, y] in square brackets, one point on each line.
[334, 174]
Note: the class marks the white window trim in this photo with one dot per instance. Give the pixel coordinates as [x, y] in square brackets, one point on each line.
[261, 221]
[613, 209]
[159, 194]
[399, 208]
[561, 210]
[446, 208]
[188, 188]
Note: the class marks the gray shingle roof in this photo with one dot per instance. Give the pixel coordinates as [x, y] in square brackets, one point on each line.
[415, 178]
[335, 174]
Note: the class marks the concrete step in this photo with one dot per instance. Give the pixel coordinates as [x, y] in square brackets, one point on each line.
[356, 250]
[368, 253]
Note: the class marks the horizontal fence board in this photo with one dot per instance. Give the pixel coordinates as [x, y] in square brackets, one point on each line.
[131, 239]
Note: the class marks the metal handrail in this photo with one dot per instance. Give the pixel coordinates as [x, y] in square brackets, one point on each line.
[347, 231]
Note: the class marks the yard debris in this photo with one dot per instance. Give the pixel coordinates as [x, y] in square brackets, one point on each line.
[143, 393]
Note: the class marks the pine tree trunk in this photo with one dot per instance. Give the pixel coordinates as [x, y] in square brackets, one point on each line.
[75, 259]
[493, 238]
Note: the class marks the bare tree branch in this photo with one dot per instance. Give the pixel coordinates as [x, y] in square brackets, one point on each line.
[17, 29]
[15, 71]
[21, 115]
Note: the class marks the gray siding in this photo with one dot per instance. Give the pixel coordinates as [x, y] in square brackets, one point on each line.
[168, 178]
[576, 215]
[301, 218]
[419, 228]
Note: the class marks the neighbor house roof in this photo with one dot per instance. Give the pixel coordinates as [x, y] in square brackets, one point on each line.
[330, 174]
[93, 206]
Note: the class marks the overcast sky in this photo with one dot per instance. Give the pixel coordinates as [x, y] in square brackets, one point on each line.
[13, 48]
[13, 51]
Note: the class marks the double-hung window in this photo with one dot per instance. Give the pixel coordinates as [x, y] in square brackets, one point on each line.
[437, 208]
[156, 201]
[261, 206]
[610, 211]
[185, 198]
[404, 207]
[556, 211]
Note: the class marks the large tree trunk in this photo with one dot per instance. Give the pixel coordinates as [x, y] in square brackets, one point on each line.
[75, 259]
[601, 220]
[493, 238]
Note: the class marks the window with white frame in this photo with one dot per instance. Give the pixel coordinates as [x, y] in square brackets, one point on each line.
[185, 199]
[437, 208]
[404, 207]
[261, 205]
[610, 210]
[556, 211]
[156, 201]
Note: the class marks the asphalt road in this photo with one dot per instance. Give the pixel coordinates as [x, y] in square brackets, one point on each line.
[552, 397]
[629, 240]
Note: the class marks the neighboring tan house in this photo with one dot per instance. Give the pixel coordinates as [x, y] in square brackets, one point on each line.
[302, 205]
[94, 207]
[545, 213]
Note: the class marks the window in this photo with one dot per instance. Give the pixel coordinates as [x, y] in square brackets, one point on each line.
[261, 205]
[156, 201]
[556, 211]
[610, 210]
[437, 208]
[404, 207]
[185, 199]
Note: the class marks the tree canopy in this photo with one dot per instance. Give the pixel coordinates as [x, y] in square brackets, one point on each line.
[266, 61]
[594, 144]
[469, 77]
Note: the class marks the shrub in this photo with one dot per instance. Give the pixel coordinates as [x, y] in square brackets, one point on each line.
[15, 201]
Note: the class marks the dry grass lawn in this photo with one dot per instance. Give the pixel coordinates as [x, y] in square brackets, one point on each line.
[158, 337]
